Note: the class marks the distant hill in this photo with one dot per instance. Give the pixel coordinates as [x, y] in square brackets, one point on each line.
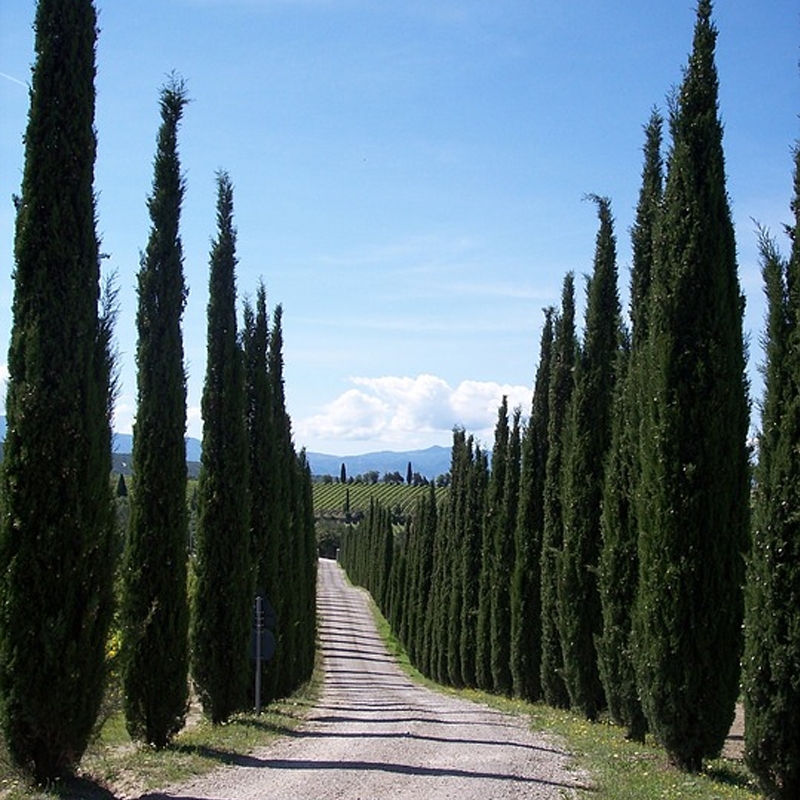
[430, 463]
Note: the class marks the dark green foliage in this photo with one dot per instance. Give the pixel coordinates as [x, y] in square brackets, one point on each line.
[155, 611]
[554, 690]
[772, 624]
[493, 524]
[472, 532]
[695, 493]
[504, 557]
[526, 617]
[290, 560]
[619, 566]
[455, 521]
[424, 525]
[56, 532]
[223, 575]
[587, 439]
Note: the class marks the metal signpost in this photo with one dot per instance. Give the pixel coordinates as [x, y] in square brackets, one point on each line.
[262, 641]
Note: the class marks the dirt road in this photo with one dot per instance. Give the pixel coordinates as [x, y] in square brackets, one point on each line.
[375, 734]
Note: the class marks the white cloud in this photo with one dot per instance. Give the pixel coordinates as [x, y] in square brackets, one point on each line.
[406, 412]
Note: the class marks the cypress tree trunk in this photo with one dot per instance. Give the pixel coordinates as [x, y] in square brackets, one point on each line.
[56, 553]
[619, 565]
[223, 575]
[772, 622]
[526, 617]
[564, 349]
[694, 522]
[155, 611]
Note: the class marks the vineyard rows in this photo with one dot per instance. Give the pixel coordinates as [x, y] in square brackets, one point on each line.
[330, 498]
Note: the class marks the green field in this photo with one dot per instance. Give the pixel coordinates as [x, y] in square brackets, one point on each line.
[330, 498]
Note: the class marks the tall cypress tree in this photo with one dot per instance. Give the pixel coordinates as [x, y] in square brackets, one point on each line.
[619, 566]
[565, 345]
[256, 348]
[492, 527]
[526, 618]
[155, 611]
[588, 437]
[504, 563]
[56, 553]
[695, 479]
[456, 505]
[221, 603]
[478, 480]
[772, 622]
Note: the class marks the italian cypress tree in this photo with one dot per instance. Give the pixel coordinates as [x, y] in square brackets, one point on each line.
[504, 561]
[424, 523]
[493, 524]
[56, 532]
[695, 481]
[428, 569]
[772, 622]
[565, 345]
[256, 348]
[155, 610]
[471, 555]
[619, 565]
[284, 532]
[223, 582]
[457, 499]
[588, 437]
[526, 618]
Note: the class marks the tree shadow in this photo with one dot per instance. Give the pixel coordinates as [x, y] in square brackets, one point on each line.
[80, 788]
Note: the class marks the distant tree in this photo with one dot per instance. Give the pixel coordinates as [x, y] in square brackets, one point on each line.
[58, 514]
[155, 610]
[587, 440]
[409, 474]
[526, 618]
[223, 575]
[343, 474]
[695, 474]
[772, 622]
[619, 563]
[565, 345]
[122, 487]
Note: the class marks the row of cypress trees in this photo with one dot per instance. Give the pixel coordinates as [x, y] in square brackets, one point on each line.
[599, 563]
[183, 604]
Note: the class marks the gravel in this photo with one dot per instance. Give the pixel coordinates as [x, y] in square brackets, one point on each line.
[376, 734]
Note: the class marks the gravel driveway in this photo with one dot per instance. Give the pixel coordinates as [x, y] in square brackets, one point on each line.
[375, 734]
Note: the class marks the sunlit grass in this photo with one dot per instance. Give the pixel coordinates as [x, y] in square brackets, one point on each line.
[618, 769]
[114, 766]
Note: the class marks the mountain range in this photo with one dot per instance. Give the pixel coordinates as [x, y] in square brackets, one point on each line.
[430, 463]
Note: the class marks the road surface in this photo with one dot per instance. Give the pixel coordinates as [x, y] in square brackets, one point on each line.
[375, 734]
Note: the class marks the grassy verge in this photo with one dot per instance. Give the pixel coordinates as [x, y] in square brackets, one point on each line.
[113, 766]
[618, 769]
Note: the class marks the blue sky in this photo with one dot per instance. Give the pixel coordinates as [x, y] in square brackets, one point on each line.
[408, 179]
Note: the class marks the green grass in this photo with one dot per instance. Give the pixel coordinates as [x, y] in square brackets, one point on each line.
[618, 769]
[113, 766]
